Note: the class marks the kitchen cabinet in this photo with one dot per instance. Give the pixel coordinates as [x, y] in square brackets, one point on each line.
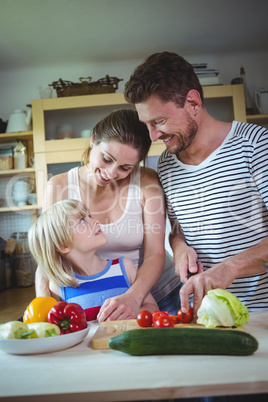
[9, 211]
[25, 137]
[87, 110]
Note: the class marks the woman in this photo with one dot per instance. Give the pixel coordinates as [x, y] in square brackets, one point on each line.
[128, 202]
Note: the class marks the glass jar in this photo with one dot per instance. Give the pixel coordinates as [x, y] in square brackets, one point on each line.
[23, 260]
[2, 271]
[10, 271]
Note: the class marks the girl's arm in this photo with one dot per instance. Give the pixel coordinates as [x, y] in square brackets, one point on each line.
[154, 250]
[123, 312]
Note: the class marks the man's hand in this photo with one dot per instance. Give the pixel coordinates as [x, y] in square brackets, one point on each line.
[199, 284]
[118, 308]
[185, 257]
[186, 264]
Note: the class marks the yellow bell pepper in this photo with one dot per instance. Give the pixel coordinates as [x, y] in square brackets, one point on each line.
[38, 309]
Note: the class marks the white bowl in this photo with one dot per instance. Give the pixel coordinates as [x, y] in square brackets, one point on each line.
[42, 345]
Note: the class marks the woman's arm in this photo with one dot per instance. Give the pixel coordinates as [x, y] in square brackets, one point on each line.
[43, 287]
[41, 284]
[123, 311]
[56, 190]
[154, 247]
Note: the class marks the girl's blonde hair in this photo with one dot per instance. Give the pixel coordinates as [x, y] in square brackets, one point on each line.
[50, 234]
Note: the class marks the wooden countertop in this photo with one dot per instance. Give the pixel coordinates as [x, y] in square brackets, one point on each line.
[14, 301]
[83, 374]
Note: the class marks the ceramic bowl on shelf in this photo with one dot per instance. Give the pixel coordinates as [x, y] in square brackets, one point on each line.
[21, 191]
[20, 198]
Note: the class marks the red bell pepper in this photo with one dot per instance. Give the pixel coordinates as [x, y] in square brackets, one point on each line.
[70, 317]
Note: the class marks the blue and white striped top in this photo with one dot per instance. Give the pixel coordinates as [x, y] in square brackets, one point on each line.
[222, 204]
[93, 290]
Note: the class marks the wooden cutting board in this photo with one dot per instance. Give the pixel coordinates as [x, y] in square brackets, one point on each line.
[109, 329]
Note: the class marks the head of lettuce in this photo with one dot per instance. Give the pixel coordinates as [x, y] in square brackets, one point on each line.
[220, 308]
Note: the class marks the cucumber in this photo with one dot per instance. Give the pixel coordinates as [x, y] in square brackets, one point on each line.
[184, 341]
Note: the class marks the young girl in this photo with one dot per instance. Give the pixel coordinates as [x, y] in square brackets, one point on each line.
[64, 240]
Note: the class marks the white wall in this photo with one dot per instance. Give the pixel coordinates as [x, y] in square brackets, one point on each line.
[20, 86]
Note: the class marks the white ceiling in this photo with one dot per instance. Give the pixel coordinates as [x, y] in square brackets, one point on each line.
[45, 32]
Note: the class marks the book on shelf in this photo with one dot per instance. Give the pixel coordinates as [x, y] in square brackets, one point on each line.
[207, 76]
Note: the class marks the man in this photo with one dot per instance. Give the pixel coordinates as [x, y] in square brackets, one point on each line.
[215, 178]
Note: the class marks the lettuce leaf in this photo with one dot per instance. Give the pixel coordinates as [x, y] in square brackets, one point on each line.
[222, 308]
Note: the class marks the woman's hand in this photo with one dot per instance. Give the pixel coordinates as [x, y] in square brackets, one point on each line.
[121, 307]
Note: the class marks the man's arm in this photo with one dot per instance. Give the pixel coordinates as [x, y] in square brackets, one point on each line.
[248, 263]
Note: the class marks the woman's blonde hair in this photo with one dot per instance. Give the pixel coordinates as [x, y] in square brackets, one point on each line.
[50, 234]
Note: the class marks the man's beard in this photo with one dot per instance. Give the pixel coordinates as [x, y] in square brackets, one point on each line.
[184, 138]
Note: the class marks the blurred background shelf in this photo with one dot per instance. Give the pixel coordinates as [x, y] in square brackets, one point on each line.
[12, 172]
[258, 118]
[17, 209]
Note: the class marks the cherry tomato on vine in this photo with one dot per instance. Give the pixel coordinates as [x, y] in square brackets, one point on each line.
[185, 318]
[156, 314]
[163, 321]
[144, 318]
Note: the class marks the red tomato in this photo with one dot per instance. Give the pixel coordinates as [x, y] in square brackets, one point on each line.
[159, 313]
[144, 318]
[185, 318]
[174, 318]
[163, 321]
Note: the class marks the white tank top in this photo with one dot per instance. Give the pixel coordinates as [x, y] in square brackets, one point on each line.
[125, 236]
[127, 231]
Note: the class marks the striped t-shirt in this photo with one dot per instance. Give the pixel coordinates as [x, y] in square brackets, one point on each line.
[222, 204]
[93, 290]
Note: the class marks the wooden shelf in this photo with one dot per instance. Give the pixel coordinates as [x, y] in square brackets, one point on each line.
[16, 209]
[258, 118]
[6, 137]
[12, 172]
[26, 136]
